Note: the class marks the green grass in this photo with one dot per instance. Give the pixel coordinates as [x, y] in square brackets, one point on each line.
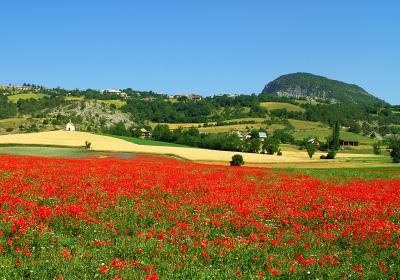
[43, 151]
[14, 98]
[340, 174]
[62, 152]
[147, 142]
[280, 105]
[74, 98]
[323, 133]
[299, 125]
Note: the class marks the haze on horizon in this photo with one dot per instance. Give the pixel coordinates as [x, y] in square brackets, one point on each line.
[202, 47]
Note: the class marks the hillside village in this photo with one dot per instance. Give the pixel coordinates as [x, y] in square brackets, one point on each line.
[247, 123]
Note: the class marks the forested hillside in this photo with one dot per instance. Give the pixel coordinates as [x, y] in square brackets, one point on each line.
[305, 85]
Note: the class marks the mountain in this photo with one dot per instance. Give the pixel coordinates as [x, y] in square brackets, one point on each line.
[306, 85]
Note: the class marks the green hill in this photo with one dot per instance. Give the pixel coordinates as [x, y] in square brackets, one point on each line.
[305, 85]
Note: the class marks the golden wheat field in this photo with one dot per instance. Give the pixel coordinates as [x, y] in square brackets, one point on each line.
[106, 143]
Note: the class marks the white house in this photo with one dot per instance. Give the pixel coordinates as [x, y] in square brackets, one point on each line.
[70, 127]
[262, 135]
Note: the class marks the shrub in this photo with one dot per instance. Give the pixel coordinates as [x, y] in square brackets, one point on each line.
[377, 148]
[311, 149]
[395, 149]
[237, 160]
[331, 154]
[87, 145]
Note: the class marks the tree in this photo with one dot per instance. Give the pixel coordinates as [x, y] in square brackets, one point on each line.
[237, 160]
[161, 132]
[253, 146]
[395, 149]
[335, 137]
[87, 145]
[271, 146]
[311, 149]
[377, 148]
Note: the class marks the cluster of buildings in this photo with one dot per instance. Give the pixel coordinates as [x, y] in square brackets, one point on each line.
[13, 88]
[194, 97]
[115, 91]
[247, 136]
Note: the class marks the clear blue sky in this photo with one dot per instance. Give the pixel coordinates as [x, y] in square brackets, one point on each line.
[203, 46]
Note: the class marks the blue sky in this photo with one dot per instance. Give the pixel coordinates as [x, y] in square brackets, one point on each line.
[202, 46]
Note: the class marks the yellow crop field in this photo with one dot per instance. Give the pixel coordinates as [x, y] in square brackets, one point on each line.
[74, 98]
[14, 98]
[280, 105]
[118, 103]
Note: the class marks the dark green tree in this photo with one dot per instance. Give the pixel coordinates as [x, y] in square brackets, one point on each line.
[237, 160]
[270, 146]
[311, 149]
[395, 149]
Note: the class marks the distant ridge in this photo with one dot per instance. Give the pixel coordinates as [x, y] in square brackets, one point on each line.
[306, 85]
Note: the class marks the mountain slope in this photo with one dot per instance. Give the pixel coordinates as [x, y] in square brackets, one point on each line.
[305, 85]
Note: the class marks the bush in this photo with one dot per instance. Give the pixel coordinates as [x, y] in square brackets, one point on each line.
[377, 148]
[331, 155]
[237, 160]
[395, 149]
[87, 145]
[311, 149]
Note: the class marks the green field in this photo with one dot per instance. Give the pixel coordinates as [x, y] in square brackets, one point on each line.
[280, 105]
[74, 98]
[62, 152]
[322, 134]
[298, 125]
[43, 151]
[14, 98]
[346, 173]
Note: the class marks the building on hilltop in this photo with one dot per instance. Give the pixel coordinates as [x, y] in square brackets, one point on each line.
[195, 97]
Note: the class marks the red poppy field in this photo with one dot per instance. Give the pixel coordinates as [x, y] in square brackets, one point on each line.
[158, 218]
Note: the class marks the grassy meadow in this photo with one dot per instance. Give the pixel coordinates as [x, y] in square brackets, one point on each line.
[14, 98]
[280, 105]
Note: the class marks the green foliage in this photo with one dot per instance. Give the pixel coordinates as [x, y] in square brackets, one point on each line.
[237, 160]
[376, 147]
[7, 109]
[271, 146]
[118, 129]
[311, 149]
[334, 141]
[252, 146]
[161, 132]
[283, 136]
[331, 154]
[320, 88]
[395, 148]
